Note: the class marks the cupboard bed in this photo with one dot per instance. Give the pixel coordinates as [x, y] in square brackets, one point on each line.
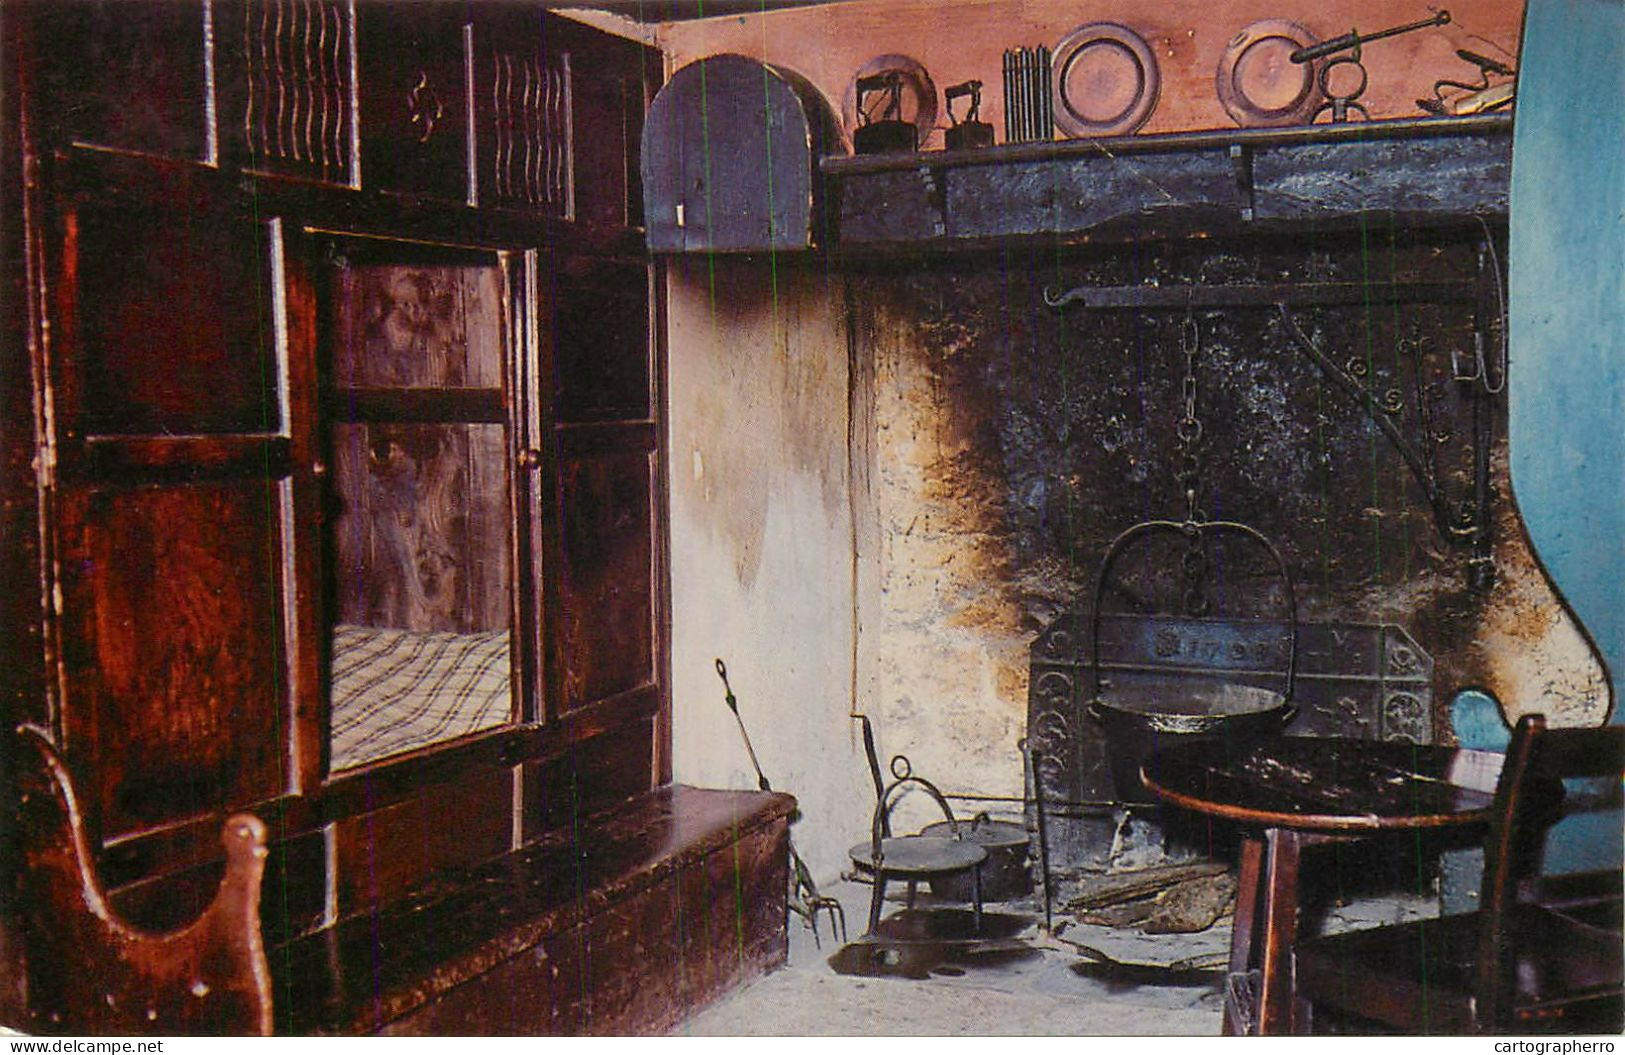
[333, 492]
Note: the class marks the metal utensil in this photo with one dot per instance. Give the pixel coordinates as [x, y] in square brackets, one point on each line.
[805, 900]
[972, 132]
[1340, 103]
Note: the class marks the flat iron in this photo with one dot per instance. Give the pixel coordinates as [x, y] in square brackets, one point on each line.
[971, 133]
[890, 134]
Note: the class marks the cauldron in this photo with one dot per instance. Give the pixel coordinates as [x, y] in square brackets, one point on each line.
[1153, 708]
[1153, 713]
[1004, 873]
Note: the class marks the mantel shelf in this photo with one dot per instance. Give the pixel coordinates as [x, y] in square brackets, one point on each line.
[1426, 170]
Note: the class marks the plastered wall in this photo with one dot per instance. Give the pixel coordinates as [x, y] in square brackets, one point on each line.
[762, 538]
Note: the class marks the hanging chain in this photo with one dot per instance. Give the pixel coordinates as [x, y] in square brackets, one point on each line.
[1189, 430]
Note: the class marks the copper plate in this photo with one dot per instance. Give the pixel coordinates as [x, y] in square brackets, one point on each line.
[1260, 85]
[1106, 81]
[919, 101]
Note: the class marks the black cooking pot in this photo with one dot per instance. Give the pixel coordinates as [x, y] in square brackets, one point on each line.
[1155, 713]
[1004, 873]
[1155, 708]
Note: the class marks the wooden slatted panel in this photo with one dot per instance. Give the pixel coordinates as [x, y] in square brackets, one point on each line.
[287, 89]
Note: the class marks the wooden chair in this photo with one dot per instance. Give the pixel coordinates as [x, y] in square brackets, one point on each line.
[93, 972]
[1514, 965]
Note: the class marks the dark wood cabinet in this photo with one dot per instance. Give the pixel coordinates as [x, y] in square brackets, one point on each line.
[125, 76]
[338, 368]
[169, 497]
[414, 99]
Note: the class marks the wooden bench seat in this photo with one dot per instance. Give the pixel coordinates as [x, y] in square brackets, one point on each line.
[653, 911]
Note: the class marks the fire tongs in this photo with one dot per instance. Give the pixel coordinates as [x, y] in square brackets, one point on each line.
[805, 900]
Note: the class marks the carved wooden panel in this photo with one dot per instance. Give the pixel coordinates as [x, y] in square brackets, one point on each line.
[177, 676]
[130, 76]
[414, 99]
[173, 316]
[601, 340]
[606, 585]
[287, 101]
[522, 107]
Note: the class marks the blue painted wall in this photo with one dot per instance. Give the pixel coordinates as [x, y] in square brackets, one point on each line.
[1566, 386]
[1566, 389]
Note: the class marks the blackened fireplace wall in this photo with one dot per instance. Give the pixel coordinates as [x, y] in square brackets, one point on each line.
[1360, 429]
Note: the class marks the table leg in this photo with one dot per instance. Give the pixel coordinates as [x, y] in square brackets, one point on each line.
[1248, 885]
[1280, 930]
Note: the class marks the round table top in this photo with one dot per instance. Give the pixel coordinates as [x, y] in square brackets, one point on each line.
[919, 855]
[1321, 784]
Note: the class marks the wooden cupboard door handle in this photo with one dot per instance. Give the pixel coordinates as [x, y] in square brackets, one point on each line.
[530, 459]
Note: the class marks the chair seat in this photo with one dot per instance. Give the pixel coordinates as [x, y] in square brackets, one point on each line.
[1419, 976]
[1603, 890]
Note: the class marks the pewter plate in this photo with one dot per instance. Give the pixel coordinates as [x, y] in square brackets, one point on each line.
[1106, 81]
[1258, 83]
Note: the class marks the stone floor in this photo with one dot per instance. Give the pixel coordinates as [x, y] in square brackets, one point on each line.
[1049, 988]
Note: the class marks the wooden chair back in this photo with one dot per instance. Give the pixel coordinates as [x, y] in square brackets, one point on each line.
[93, 972]
[1527, 795]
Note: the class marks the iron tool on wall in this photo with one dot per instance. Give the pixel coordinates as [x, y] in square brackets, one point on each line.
[1341, 102]
[1475, 97]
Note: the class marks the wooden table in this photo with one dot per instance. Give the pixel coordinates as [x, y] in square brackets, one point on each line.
[1294, 791]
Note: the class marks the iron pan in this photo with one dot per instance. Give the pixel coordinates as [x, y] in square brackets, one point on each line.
[1004, 873]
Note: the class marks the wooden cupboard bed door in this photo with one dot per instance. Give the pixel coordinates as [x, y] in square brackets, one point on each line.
[428, 572]
[172, 486]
